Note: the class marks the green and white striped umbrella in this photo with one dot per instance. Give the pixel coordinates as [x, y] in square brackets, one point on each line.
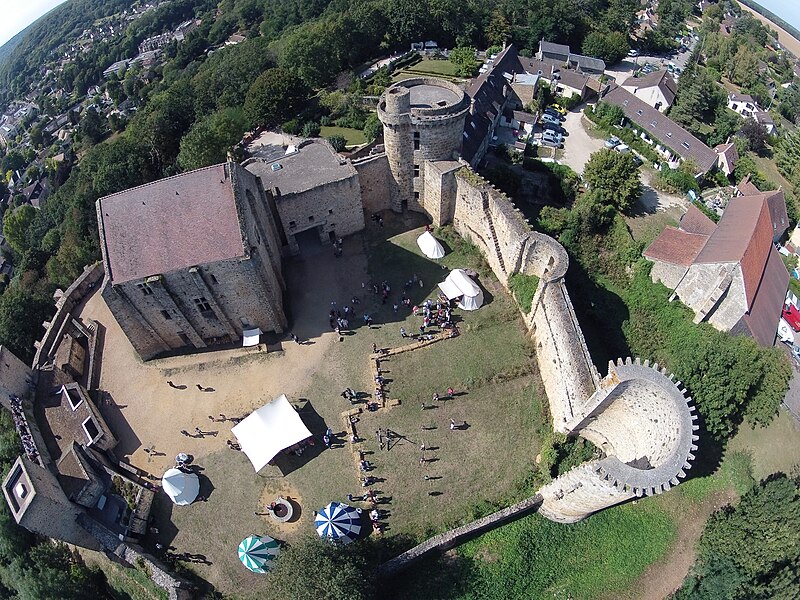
[257, 552]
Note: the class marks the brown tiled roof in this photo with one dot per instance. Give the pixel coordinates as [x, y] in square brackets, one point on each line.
[747, 188]
[660, 79]
[174, 223]
[728, 151]
[695, 221]
[777, 212]
[743, 235]
[665, 130]
[676, 247]
[762, 318]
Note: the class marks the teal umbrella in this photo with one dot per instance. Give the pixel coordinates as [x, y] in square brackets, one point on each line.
[257, 552]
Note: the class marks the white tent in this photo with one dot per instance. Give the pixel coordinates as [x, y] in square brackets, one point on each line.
[251, 337]
[182, 488]
[430, 246]
[458, 283]
[268, 430]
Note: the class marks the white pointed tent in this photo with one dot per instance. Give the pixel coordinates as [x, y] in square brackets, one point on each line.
[270, 429]
[458, 283]
[430, 246]
[182, 488]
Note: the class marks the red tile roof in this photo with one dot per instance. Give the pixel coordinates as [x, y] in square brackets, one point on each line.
[695, 221]
[170, 224]
[743, 235]
[762, 318]
[676, 247]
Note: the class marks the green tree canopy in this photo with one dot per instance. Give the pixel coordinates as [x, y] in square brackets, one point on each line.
[311, 569]
[338, 142]
[614, 177]
[209, 140]
[15, 227]
[275, 96]
[611, 46]
[464, 60]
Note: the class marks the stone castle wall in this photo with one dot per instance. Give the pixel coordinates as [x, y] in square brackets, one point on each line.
[86, 281]
[375, 182]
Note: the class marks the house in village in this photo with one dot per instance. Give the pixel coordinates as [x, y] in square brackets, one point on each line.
[667, 137]
[559, 54]
[729, 273]
[726, 157]
[658, 89]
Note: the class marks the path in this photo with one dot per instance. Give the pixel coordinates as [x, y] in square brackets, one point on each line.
[661, 579]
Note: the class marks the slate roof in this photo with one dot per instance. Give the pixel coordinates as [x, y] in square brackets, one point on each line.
[174, 223]
[676, 246]
[666, 131]
[728, 151]
[572, 79]
[660, 79]
[551, 48]
[486, 92]
[588, 62]
[741, 98]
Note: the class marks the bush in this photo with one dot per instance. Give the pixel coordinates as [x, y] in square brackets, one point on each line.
[292, 127]
[338, 142]
[675, 181]
[324, 120]
[523, 287]
[311, 129]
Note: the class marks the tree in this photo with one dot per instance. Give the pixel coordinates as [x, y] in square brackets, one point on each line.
[91, 127]
[209, 140]
[464, 60]
[615, 178]
[611, 46]
[275, 96]
[21, 316]
[373, 128]
[15, 227]
[755, 134]
[338, 142]
[498, 30]
[788, 156]
[751, 550]
[311, 569]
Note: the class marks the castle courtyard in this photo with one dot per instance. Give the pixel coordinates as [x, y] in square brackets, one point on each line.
[490, 365]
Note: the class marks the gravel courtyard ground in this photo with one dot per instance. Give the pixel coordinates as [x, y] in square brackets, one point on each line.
[491, 362]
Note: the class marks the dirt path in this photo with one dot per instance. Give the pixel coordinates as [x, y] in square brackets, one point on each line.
[664, 577]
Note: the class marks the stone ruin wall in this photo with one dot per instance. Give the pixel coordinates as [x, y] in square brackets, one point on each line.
[375, 182]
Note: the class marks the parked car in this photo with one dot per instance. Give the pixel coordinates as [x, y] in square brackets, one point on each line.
[551, 143]
[622, 148]
[792, 316]
[613, 142]
[548, 118]
[559, 109]
[551, 136]
[555, 128]
[633, 53]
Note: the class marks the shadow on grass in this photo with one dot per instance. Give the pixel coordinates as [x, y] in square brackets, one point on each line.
[601, 314]
[287, 463]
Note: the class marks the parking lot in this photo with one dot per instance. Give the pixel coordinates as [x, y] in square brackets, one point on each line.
[628, 66]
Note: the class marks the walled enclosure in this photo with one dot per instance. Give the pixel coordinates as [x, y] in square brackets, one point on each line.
[637, 416]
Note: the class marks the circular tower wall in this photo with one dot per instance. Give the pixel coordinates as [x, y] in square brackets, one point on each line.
[423, 119]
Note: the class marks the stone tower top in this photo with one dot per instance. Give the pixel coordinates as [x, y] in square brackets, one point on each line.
[421, 99]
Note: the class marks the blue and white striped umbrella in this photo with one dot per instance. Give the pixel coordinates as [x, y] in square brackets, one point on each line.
[258, 552]
[339, 522]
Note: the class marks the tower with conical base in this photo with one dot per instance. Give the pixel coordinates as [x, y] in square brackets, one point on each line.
[423, 120]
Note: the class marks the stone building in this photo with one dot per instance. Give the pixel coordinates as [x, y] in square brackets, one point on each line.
[313, 189]
[728, 273]
[192, 260]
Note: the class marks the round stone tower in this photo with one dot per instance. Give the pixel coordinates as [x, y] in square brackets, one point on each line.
[423, 119]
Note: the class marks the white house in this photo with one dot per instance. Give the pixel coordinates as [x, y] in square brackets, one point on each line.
[742, 104]
[658, 89]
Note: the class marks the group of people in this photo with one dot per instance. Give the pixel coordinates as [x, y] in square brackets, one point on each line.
[21, 423]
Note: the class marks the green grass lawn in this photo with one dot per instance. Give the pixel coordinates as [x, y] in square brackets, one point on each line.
[537, 558]
[434, 67]
[353, 137]
[775, 448]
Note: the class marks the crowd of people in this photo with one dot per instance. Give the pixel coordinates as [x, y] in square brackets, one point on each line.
[21, 423]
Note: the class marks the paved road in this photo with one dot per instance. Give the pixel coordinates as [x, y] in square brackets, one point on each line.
[578, 145]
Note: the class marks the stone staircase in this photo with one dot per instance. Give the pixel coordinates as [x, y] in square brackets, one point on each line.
[487, 213]
[721, 285]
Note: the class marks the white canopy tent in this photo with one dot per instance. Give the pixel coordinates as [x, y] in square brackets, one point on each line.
[182, 488]
[251, 337]
[458, 283]
[430, 246]
[270, 429]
